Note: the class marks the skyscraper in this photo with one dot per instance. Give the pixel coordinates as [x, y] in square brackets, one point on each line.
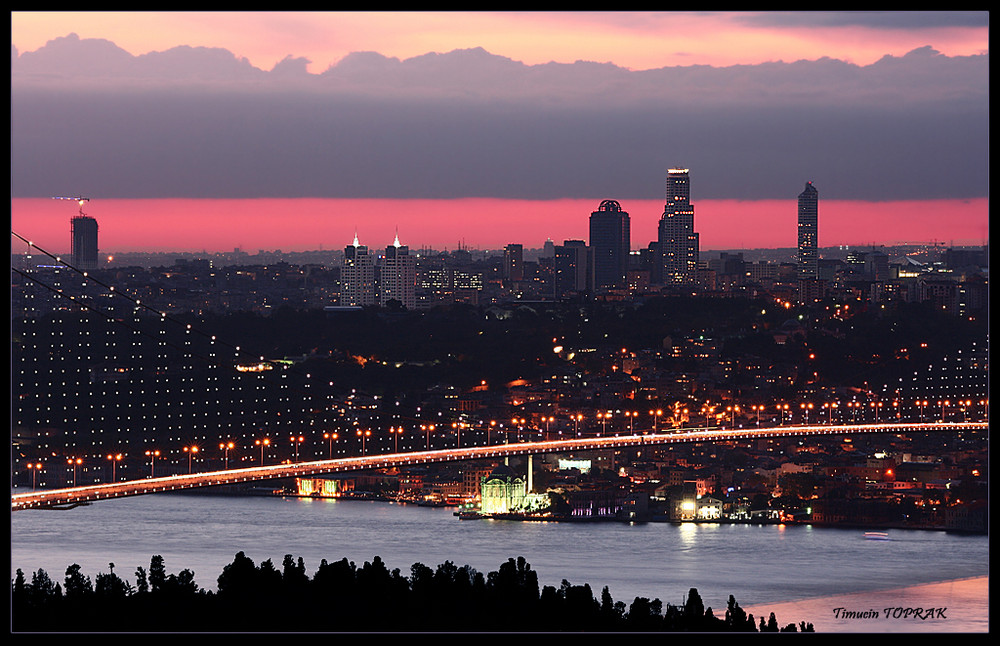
[808, 234]
[574, 268]
[677, 241]
[513, 263]
[357, 275]
[398, 279]
[610, 238]
[84, 247]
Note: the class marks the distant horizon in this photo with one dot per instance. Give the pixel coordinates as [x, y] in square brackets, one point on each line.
[311, 224]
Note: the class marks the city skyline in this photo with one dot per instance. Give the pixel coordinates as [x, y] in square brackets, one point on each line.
[422, 127]
[306, 224]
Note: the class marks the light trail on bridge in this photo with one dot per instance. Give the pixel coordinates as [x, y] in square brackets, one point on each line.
[74, 496]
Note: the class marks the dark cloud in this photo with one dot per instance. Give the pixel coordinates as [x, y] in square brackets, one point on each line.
[890, 20]
[202, 123]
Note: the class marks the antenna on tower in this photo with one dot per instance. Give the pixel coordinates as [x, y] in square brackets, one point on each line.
[79, 199]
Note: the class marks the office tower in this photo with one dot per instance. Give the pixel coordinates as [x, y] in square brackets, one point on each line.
[549, 249]
[513, 263]
[808, 238]
[357, 275]
[610, 238]
[84, 248]
[573, 268]
[676, 239]
[399, 276]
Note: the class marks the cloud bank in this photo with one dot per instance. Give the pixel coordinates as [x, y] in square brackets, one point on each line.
[89, 117]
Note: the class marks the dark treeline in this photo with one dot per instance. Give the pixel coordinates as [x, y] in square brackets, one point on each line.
[342, 597]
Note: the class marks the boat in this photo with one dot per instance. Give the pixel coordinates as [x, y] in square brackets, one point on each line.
[876, 536]
[468, 515]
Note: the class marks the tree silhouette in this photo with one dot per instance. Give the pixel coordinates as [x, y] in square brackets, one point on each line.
[344, 598]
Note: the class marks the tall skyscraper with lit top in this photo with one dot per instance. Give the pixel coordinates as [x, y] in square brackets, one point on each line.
[808, 232]
[357, 275]
[610, 238]
[398, 278]
[677, 241]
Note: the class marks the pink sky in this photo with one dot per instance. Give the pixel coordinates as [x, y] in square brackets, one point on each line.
[637, 40]
[311, 224]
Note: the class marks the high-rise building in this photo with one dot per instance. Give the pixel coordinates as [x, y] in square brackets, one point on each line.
[677, 241]
[808, 235]
[574, 268]
[610, 238]
[84, 248]
[357, 275]
[398, 279]
[513, 263]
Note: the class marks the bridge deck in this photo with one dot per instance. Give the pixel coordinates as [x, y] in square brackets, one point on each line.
[79, 495]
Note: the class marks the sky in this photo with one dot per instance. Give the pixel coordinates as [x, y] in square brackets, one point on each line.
[496, 127]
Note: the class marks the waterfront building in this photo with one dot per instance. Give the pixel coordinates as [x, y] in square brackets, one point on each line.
[502, 491]
[677, 242]
[398, 278]
[610, 239]
[357, 275]
[808, 234]
[84, 243]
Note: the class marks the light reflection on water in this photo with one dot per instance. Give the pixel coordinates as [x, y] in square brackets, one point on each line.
[757, 564]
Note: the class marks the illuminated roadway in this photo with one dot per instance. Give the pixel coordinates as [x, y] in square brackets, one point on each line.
[80, 495]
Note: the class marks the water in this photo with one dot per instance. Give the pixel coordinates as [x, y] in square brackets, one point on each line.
[760, 565]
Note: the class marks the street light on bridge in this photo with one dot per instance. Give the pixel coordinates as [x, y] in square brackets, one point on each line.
[943, 403]
[34, 468]
[396, 432]
[604, 417]
[708, 410]
[190, 450]
[656, 414]
[854, 410]
[263, 442]
[548, 421]
[965, 409]
[225, 446]
[295, 443]
[806, 407]
[363, 435]
[152, 454]
[75, 462]
[115, 459]
[733, 410]
[875, 407]
[330, 437]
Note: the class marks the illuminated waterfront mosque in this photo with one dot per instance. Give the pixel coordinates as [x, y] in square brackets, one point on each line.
[502, 491]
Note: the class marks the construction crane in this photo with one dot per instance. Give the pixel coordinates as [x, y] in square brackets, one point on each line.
[79, 199]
